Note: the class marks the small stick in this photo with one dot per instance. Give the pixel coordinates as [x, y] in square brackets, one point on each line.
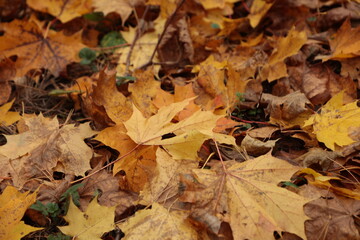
[167, 24]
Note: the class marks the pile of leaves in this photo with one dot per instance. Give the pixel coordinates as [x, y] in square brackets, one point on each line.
[179, 119]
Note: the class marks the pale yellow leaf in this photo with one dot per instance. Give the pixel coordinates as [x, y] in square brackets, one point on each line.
[91, 224]
[158, 223]
[332, 125]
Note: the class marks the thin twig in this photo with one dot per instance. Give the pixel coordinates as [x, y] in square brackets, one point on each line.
[107, 165]
[167, 24]
[139, 32]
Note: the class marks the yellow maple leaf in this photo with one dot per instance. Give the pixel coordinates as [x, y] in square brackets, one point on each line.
[64, 10]
[331, 126]
[256, 205]
[158, 223]
[91, 224]
[6, 117]
[13, 205]
[286, 47]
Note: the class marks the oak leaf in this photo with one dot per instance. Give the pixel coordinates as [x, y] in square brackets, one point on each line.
[13, 205]
[332, 125]
[64, 10]
[158, 223]
[91, 224]
[37, 50]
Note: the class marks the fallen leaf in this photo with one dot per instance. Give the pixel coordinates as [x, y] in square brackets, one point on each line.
[105, 93]
[7, 117]
[144, 90]
[141, 50]
[165, 183]
[258, 10]
[111, 195]
[13, 205]
[91, 224]
[345, 43]
[44, 148]
[35, 49]
[256, 205]
[158, 223]
[285, 47]
[138, 167]
[331, 126]
[123, 7]
[332, 217]
[324, 182]
[64, 10]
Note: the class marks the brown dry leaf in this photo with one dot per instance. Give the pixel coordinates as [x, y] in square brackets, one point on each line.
[158, 223]
[105, 94]
[262, 132]
[165, 183]
[91, 224]
[287, 110]
[345, 43]
[256, 147]
[7, 73]
[123, 7]
[35, 50]
[13, 205]
[144, 90]
[176, 46]
[7, 117]
[332, 217]
[211, 83]
[138, 167]
[111, 195]
[64, 10]
[256, 205]
[285, 47]
[44, 148]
